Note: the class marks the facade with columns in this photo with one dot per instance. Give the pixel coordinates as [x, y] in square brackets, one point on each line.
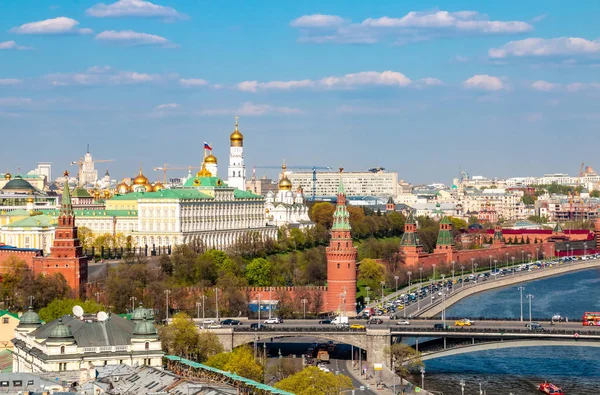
[287, 208]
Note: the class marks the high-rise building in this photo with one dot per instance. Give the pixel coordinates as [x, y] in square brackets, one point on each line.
[378, 183]
[236, 174]
[341, 260]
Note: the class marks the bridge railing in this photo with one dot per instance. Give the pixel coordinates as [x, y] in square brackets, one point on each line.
[327, 329]
[456, 318]
[550, 331]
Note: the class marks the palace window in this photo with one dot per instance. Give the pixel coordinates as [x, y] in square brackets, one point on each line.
[5, 320]
[62, 349]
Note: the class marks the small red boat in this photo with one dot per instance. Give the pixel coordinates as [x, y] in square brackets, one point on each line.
[549, 388]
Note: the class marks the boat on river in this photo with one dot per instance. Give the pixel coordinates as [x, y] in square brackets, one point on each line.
[549, 388]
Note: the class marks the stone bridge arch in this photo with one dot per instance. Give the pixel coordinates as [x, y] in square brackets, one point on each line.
[507, 344]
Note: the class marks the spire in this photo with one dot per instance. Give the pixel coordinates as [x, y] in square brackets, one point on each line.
[557, 228]
[341, 216]
[66, 208]
[341, 190]
[445, 234]
[410, 238]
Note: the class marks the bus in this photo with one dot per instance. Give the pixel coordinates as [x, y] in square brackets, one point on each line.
[591, 319]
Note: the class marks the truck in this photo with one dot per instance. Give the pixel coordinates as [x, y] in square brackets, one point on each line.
[322, 356]
[340, 320]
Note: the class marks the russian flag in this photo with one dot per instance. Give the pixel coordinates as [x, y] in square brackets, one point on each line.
[206, 146]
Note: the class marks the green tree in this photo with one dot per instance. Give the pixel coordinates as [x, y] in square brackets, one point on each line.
[86, 236]
[405, 358]
[595, 193]
[371, 272]
[241, 362]
[59, 307]
[259, 272]
[322, 213]
[528, 199]
[181, 338]
[313, 381]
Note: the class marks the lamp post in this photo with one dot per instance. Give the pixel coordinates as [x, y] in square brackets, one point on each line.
[167, 292]
[422, 378]
[490, 263]
[522, 256]
[462, 387]
[453, 262]
[258, 296]
[433, 266]
[537, 253]
[584, 248]
[419, 289]
[133, 299]
[97, 294]
[198, 305]
[462, 276]
[409, 274]
[473, 265]
[521, 289]
[270, 302]
[203, 305]
[217, 302]
[476, 267]
[530, 297]
[568, 249]
[495, 263]
[396, 278]
[304, 306]
[382, 296]
[512, 258]
[443, 301]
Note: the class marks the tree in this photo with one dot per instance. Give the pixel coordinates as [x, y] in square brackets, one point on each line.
[240, 361]
[371, 272]
[322, 213]
[258, 272]
[528, 199]
[595, 193]
[59, 307]
[182, 338]
[86, 236]
[313, 381]
[405, 358]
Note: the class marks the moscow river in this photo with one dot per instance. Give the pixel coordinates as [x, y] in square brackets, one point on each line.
[520, 370]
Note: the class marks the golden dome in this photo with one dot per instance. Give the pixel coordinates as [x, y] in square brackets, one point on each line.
[96, 194]
[29, 200]
[123, 188]
[140, 179]
[236, 138]
[284, 184]
[106, 194]
[158, 186]
[149, 187]
[7, 176]
[210, 159]
[203, 172]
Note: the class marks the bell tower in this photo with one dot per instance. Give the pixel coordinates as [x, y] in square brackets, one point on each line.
[341, 260]
[236, 173]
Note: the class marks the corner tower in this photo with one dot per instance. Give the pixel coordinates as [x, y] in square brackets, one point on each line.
[66, 254]
[341, 260]
[236, 174]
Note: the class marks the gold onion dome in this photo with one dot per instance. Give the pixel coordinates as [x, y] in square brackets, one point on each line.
[210, 159]
[236, 138]
[123, 188]
[7, 176]
[203, 172]
[284, 184]
[141, 179]
[158, 186]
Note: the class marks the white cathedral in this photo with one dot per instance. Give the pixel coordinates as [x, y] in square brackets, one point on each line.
[287, 208]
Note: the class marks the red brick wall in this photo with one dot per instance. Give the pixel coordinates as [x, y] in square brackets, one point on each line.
[26, 256]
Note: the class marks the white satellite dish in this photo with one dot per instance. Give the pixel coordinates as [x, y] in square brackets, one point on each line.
[78, 311]
[101, 316]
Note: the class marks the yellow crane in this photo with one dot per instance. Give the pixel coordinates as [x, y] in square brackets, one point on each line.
[166, 167]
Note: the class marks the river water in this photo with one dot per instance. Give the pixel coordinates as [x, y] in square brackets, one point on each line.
[520, 370]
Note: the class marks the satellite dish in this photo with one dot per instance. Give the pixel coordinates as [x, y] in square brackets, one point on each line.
[101, 316]
[78, 311]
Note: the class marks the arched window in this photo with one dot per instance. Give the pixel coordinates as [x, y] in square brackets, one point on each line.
[147, 346]
[62, 349]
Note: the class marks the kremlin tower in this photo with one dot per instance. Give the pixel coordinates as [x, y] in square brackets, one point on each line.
[66, 254]
[341, 260]
[237, 170]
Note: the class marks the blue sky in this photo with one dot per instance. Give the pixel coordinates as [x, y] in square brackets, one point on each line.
[505, 88]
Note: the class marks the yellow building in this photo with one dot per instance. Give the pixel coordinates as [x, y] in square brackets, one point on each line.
[8, 323]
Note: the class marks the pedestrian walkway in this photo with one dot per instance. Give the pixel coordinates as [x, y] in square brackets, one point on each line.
[384, 382]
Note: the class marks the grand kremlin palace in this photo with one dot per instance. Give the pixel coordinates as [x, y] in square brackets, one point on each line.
[206, 208]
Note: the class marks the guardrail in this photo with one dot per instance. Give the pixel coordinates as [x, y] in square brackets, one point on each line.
[498, 331]
[298, 329]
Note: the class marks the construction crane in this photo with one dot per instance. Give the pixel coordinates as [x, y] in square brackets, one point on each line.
[165, 167]
[314, 170]
[581, 169]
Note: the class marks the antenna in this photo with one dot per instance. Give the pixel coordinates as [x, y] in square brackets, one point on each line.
[78, 311]
[101, 316]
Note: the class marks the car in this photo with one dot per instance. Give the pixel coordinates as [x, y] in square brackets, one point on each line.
[273, 320]
[211, 326]
[325, 321]
[441, 326]
[403, 322]
[464, 322]
[534, 326]
[375, 321]
[230, 321]
[256, 326]
[357, 326]
[208, 321]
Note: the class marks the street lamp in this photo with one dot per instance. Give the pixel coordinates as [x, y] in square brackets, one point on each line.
[584, 248]
[198, 305]
[462, 276]
[133, 299]
[367, 288]
[217, 302]
[568, 249]
[453, 262]
[537, 253]
[473, 265]
[476, 267]
[462, 387]
[530, 297]
[382, 285]
[258, 296]
[522, 256]
[513, 263]
[167, 292]
[443, 301]
[490, 263]
[270, 302]
[396, 278]
[419, 289]
[409, 274]
[304, 305]
[98, 296]
[422, 378]
[521, 289]
[495, 263]
[203, 305]
[433, 265]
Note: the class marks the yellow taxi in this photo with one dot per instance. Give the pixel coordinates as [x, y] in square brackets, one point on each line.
[357, 326]
[463, 323]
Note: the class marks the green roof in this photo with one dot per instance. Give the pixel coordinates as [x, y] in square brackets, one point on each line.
[239, 194]
[18, 213]
[129, 196]
[6, 312]
[95, 213]
[558, 228]
[445, 221]
[179, 193]
[410, 239]
[80, 192]
[34, 222]
[19, 184]
[199, 182]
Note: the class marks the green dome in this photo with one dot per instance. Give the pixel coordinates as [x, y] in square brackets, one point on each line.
[18, 184]
[145, 328]
[60, 331]
[142, 314]
[30, 317]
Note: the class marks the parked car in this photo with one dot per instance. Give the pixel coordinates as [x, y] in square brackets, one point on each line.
[375, 321]
[230, 321]
[403, 322]
[273, 320]
[325, 321]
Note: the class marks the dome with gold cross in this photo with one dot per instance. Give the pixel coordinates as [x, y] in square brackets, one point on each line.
[210, 159]
[284, 184]
[236, 138]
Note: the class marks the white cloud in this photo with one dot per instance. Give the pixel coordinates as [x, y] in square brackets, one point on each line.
[166, 106]
[14, 101]
[543, 86]
[189, 82]
[429, 82]
[317, 20]
[348, 81]
[484, 82]
[12, 45]
[134, 8]
[414, 26]
[60, 25]
[129, 37]
[252, 109]
[539, 47]
[103, 75]
[10, 81]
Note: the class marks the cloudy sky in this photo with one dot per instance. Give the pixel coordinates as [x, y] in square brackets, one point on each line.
[503, 88]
